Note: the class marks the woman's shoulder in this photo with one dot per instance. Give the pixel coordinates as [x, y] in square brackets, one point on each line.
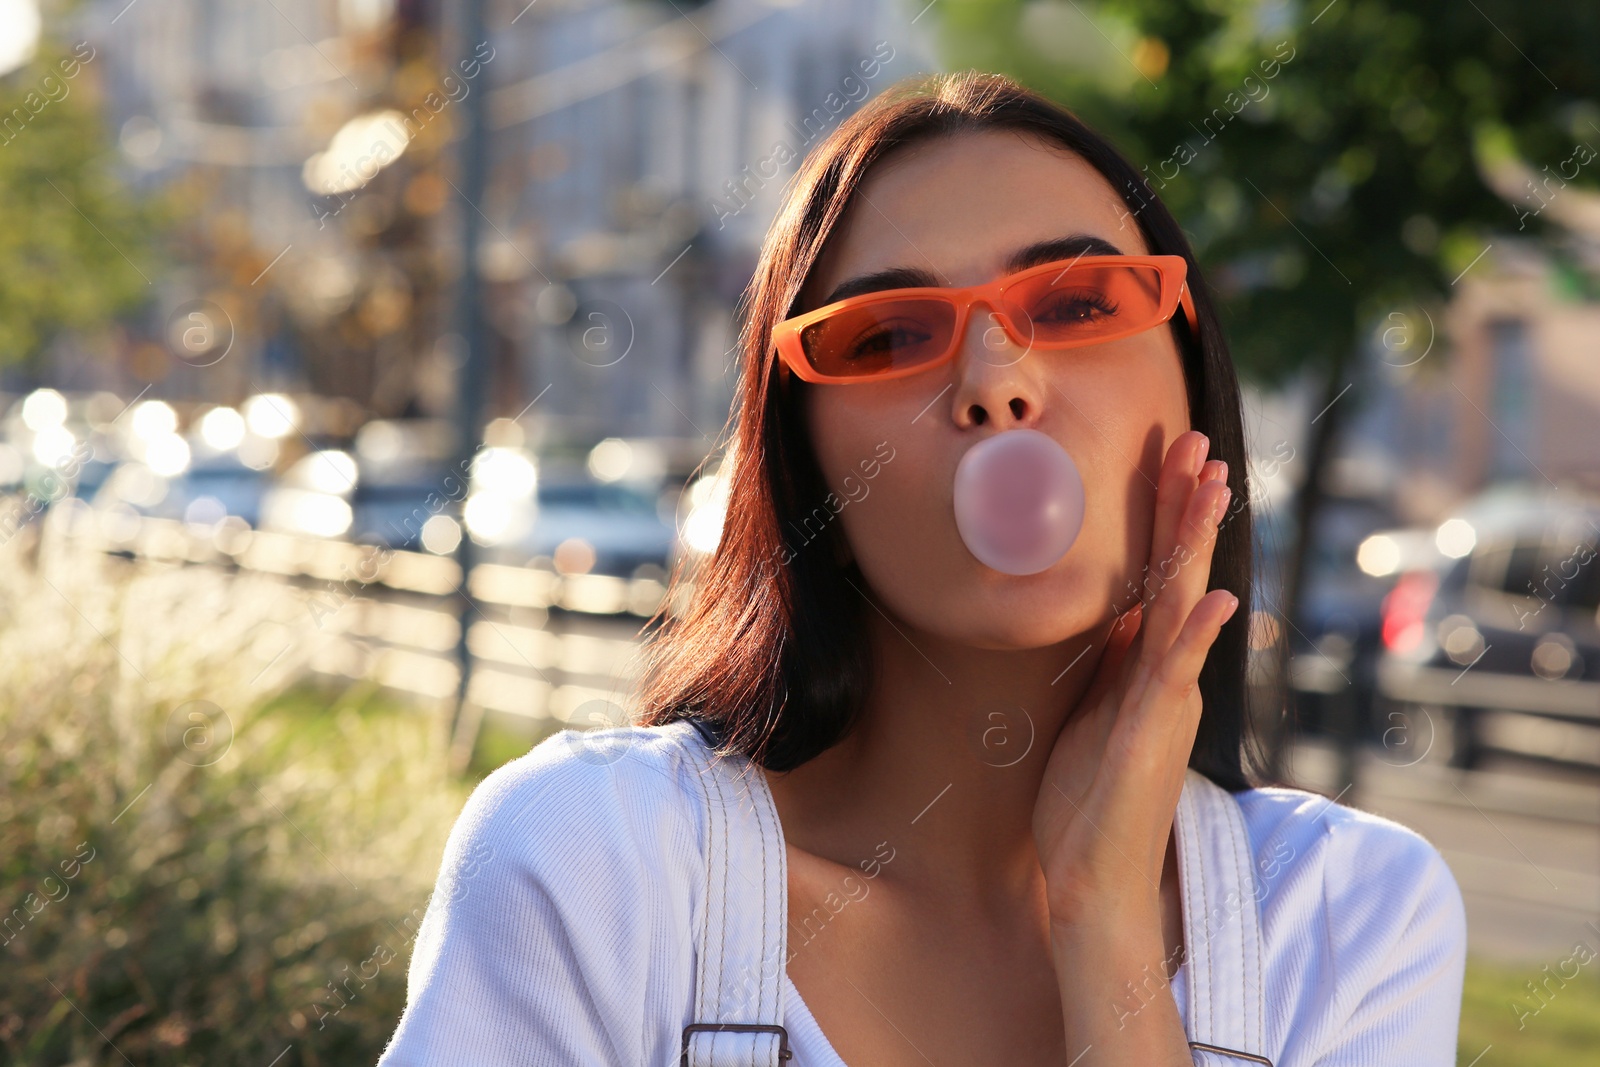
[623, 793]
[1363, 924]
[565, 903]
[1343, 844]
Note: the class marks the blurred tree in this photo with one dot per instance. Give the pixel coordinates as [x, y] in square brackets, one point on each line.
[75, 248]
[1337, 164]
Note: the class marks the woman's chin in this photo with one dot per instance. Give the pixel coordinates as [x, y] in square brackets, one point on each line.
[989, 609]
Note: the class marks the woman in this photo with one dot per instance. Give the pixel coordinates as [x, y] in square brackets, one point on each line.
[987, 766]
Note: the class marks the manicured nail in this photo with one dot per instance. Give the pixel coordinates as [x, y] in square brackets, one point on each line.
[1201, 447]
[1227, 608]
[1221, 505]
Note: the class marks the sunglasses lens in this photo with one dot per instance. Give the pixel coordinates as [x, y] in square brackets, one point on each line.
[879, 338]
[1086, 302]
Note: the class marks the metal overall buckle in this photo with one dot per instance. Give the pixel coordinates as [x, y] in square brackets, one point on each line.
[1233, 1052]
[765, 1028]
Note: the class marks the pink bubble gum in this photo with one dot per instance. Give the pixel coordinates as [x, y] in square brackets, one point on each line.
[1018, 501]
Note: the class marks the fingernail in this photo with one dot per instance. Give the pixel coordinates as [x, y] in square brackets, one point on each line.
[1233, 604]
[1221, 505]
[1201, 448]
[1222, 472]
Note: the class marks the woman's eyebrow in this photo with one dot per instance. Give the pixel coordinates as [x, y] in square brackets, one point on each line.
[892, 278]
[1071, 246]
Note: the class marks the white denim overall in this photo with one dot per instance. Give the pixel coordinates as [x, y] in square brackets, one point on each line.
[742, 945]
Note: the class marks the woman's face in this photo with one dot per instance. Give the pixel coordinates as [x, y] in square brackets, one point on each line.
[957, 209]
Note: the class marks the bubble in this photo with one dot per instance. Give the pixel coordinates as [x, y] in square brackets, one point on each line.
[1018, 501]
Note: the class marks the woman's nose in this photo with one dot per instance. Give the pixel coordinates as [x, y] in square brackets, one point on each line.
[996, 379]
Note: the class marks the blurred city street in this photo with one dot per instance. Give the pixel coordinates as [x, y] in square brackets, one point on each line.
[367, 377]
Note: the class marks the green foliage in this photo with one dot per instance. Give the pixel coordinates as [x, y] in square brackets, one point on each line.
[182, 882]
[76, 248]
[1323, 156]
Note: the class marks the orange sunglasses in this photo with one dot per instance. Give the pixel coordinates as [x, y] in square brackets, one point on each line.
[1066, 304]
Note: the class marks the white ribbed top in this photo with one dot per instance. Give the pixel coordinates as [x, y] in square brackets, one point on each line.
[560, 931]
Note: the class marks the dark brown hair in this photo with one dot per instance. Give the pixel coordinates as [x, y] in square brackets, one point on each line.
[770, 656]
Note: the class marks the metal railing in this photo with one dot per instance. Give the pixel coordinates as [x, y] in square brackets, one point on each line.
[543, 645]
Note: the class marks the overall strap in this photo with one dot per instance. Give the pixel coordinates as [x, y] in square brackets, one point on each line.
[741, 947]
[1221, 928]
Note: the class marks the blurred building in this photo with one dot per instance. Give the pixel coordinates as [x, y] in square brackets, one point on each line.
[641, 169]
[637, 154]
[1501, 386]
[1526, 339]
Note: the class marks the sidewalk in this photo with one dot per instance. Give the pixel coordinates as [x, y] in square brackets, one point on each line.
[1523, 841]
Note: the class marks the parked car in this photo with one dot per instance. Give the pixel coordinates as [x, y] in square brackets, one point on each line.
[406, 508]
[312, 497]
[222, 485]
[207, 492]
[92, 474]
[585, 526]
[1505, 633]
[1336, 637]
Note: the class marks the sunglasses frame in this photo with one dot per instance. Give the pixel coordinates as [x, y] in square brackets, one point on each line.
[792, 358]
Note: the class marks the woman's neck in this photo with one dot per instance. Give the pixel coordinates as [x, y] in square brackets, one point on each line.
[944, 766]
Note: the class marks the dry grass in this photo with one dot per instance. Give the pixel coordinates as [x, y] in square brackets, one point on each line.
[196, 866]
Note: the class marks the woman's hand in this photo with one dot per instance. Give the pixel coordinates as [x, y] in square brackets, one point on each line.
[1111, 785]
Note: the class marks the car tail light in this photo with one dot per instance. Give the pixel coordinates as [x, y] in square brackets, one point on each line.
[1404, 609]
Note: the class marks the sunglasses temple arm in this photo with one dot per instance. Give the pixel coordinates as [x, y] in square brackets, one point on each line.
[1189, 311]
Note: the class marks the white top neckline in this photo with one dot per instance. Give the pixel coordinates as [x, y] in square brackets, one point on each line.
[803, 1027]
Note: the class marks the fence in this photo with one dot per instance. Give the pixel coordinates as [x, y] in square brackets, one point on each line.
[543, 645]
